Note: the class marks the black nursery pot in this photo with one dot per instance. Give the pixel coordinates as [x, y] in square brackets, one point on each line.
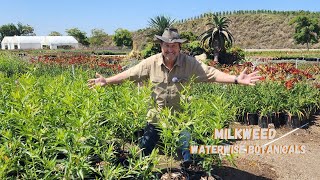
[282, 118]
[263, 121]
[252, 119]
[293, 121]
[278, 119]
[275, 120]
[240, 118]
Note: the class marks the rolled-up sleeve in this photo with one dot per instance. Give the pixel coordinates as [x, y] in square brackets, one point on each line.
[205, 73]
[139, 72]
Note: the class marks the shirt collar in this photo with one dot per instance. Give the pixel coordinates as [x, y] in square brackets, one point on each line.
[177, 63]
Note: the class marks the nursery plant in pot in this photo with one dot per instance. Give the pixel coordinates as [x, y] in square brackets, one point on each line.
[311, 100]
[294, 117]
[213, 114]
[277, 114]
[276, 93]
[175, 131]
[235, 97]
[263, 92]
[142, 167]
[251, 108]
[249, 102]
[264, 118]
[294, 112]
[296, 101]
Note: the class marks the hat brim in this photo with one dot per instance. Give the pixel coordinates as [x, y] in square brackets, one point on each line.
[163, 39]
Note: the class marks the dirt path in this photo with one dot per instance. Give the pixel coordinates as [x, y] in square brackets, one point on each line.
[280, 166]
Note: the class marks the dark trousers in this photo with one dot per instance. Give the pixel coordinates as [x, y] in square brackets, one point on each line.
[151, 136]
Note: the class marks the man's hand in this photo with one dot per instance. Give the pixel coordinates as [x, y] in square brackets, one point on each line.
[248, 79]
[99, 81]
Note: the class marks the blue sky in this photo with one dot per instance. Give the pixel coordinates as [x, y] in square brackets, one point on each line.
[59, 15]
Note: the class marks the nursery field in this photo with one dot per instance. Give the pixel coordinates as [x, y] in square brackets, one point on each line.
[52, 126]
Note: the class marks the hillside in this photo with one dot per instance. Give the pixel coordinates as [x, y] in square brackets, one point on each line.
[250, 30]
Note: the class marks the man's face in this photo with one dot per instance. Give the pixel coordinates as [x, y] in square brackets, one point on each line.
[170, 51]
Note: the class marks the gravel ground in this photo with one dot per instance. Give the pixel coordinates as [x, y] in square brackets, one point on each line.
[279, 166]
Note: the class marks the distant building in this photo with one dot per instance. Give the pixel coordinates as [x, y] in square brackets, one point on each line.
[39, 42]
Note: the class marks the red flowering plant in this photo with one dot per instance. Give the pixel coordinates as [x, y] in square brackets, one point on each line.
[102, 64]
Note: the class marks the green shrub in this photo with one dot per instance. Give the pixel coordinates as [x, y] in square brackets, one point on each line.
[188, 35]
[150, 49]
[12, 65]
[232, 56]
[193, 48]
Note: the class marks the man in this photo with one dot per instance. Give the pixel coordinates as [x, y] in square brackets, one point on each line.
[167, 71]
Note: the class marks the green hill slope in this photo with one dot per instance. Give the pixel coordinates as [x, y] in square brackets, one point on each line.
[251, 30]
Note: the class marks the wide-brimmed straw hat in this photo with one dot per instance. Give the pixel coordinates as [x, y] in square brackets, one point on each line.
[170, 35]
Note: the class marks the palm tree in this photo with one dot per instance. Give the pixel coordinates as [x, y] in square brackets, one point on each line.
[217, 38]
[159, 24]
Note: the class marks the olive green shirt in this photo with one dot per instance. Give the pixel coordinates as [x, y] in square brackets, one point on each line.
[168, 83]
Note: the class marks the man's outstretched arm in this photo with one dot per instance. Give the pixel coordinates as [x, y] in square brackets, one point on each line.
[102, 81]
[136, 73]
[242, 78]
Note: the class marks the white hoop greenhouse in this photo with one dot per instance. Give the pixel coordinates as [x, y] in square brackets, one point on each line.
[38, 42]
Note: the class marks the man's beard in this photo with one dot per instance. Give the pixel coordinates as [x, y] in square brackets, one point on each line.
[169, 58]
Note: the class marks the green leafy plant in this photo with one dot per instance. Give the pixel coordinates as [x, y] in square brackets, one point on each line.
[150, 49]
[192, 48]
[159, 23]
[306, 30]
[10, 65]
[122, 37]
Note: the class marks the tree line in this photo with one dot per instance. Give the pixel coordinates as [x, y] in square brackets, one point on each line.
[98, 37]
[16, 30]
[238, 12]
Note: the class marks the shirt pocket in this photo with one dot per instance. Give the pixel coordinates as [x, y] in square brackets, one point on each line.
[156, 79]
[159, 87]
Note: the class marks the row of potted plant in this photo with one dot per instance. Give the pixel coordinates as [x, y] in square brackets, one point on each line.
[267, 100]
